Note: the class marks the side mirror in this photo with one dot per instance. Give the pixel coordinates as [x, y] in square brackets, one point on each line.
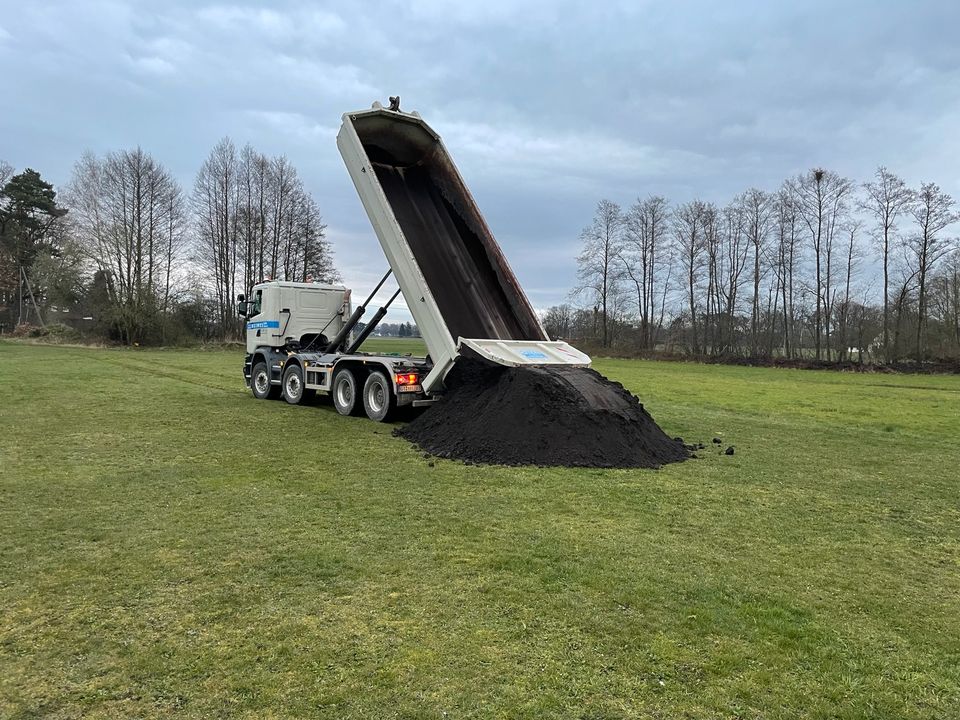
[242, 308]
[241, 297]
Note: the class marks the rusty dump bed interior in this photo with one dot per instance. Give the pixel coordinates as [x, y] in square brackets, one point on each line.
[475, 290]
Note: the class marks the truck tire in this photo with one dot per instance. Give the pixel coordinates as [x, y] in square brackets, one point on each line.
[294, 391]
[346, 398]
[379, 402]
[260, 383]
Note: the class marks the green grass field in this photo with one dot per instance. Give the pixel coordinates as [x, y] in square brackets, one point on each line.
[170, 547]
[412, 346]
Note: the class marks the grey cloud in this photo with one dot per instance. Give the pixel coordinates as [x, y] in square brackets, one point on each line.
[546, 106]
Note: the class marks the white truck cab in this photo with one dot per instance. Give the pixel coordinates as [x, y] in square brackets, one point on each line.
[281, 313]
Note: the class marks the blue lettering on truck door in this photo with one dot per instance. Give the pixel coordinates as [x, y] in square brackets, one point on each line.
[263, 324]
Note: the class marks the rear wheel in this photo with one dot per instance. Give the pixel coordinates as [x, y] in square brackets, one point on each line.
[260, 383]
[294, 391]
[345, 396]
[378, 398]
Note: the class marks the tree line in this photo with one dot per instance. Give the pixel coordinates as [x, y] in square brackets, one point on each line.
[821, 268]
[386, 329]
[125, 251]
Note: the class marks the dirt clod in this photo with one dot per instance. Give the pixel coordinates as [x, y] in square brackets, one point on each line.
[573, 417]
[728, 451]
[717, 441]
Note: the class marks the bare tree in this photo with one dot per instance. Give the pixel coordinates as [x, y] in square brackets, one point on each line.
[216, 195]
[887, 198]
[950, 303]
[932, 212]
[283, 199]
[253, 176]
[598, 265]
[255, 220]
[852, 230]
[905, 288]
[801, 249]
[129, 215]
[558, 321]
[713, 241]
[315, 249]
[756, 206]
[953, 298]
[786, 261]
[688, 234]
[645, 232]
[944, 305]
[635, 258]
[821, 196]
[736, 249]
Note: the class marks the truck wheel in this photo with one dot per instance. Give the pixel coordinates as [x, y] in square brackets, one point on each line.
[378, 398]
[294, 391]
[260, 383]
[345, 395]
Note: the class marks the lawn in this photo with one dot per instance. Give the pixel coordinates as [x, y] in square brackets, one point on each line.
[171, 547]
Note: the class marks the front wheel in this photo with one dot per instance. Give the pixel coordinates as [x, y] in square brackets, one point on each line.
[260, 383]
[378, 398]
[294, 391]
[344, 390]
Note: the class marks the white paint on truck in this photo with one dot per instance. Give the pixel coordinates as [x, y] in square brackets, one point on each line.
[279, 310]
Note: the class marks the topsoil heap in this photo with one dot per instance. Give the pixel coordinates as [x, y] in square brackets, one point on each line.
[502, 392]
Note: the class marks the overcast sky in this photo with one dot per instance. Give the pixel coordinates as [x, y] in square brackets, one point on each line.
[545, 106]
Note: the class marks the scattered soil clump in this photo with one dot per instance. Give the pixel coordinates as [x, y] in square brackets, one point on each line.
[554, 416]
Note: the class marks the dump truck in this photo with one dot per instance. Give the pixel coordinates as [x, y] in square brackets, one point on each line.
[454, 278]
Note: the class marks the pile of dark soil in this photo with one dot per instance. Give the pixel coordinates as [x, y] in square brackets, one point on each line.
[573, 417]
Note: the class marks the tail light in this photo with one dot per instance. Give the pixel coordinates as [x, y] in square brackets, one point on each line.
[407, 378]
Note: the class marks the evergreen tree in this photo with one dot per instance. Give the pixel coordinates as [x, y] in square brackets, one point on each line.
[28, 210]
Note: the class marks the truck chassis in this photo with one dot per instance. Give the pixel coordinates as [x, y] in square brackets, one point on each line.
[359, 383]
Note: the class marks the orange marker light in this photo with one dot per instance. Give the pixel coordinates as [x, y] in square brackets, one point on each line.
[407, 378]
